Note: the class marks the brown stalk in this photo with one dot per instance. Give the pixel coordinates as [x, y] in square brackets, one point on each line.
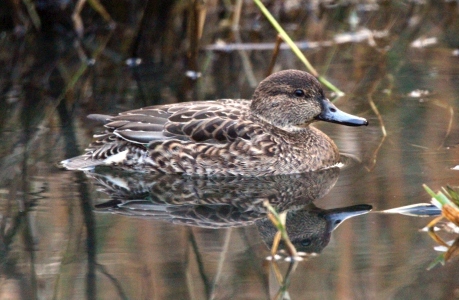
[431, 232]
[383, 131]
[237, 38]
[279, 41]
[451, 213]
[453, 250]
[450, 125]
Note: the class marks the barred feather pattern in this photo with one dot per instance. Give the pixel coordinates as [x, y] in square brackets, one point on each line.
[212, 138]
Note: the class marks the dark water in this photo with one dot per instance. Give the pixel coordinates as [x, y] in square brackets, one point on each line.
[70, 235]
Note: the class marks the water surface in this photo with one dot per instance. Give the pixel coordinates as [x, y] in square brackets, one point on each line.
[57, 243]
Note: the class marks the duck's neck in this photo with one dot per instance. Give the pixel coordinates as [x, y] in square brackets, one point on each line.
[287, 127]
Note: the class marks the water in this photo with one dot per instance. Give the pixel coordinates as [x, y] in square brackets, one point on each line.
[59, 242]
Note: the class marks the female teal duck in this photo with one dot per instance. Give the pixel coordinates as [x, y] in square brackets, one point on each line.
[269, 135]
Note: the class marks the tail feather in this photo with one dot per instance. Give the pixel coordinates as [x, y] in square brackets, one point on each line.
[82, 162]
[100, 118]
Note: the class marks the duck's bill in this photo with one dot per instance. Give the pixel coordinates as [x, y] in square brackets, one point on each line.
[335, 217]
[331, 113]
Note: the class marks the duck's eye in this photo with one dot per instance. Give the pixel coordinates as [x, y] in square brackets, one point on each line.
[306, 242]
[299, 93]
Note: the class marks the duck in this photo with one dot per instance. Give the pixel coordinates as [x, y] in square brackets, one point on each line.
[271, 134]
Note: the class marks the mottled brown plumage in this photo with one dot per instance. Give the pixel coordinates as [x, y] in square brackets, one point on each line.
[268, 135]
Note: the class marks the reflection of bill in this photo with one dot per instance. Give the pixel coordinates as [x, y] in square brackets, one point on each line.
[445, 209]
[309, 228]
[229, 202]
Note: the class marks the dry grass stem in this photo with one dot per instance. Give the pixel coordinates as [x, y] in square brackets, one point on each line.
[295, 48]
[272, 63]
[278, 221]
[383, 131]
[246, 64]
[450, 125]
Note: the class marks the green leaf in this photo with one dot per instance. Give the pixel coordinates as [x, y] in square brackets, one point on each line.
[428, 190]
[440, 259]
[440, 197]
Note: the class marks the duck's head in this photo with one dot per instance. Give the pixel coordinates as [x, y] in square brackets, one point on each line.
[291, 99]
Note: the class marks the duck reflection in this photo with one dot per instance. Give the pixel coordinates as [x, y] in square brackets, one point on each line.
[229, 202]
[310, 227]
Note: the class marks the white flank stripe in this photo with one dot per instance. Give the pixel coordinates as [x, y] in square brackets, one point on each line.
[117, 158]
[118, 181]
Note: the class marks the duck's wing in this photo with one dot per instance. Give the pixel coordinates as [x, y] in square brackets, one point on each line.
[218, 121]
[212, 122]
